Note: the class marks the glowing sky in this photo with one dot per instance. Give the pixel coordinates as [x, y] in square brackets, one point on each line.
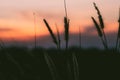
[17, 20]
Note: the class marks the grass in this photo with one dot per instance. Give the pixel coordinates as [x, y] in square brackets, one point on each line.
[58, 37]
[35, 30]
[51, 32]
[57, 40]
[66, 25]
[52, 64]
[100, 27]
[100, 34]
[80, 38]
[118, 36]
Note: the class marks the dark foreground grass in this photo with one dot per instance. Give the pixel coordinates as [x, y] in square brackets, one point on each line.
[24, 64]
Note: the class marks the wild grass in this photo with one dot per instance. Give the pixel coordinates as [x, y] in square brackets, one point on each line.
[75, 67]
[118, 36]
[66, 25]
[51, 32]
[57, 40]
[65, 6]
[51, 66]
[11, 59]
[74, 63]
[100, 34]
[100, 27]
[69, 69]
[58, 37]
[35, 29]
[80, 38]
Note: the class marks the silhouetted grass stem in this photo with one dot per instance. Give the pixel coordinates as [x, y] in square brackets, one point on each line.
[58, 36]
[51, 32]
[118, 35]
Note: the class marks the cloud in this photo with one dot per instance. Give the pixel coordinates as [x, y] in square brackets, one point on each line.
[87, 40]
[5, 29]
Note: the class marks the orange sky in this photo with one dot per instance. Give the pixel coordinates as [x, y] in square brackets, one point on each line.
[17, 20]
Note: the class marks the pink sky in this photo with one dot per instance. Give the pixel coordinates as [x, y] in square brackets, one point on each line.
[17, 20]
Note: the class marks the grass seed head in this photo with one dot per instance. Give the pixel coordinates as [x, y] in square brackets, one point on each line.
[97, 27]
[51, 32]
[99, 16]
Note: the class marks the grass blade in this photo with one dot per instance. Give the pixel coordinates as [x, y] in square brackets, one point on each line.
[118, 36]
[35, 30]
[75, 67]
[15, 62]
[80, 39]
[65, 7]
[101, 24]
[51, 66]
[66, 26]
[99, 32]
[51, 32]
[69, 70]
[58, 35]
[97, 27]
[99, 16]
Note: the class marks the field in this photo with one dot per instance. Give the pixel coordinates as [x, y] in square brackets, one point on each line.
[52, 64]
[21, 63]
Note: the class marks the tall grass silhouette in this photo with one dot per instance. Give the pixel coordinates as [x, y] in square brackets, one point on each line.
[75, 67]
[58, 37]
[99, 31]
[100, 27]
[70, 63]
[35, 30]
[80, 38]
[51, 33]
[51, 66]
[66, 25]
[118, 36]
[57, 40]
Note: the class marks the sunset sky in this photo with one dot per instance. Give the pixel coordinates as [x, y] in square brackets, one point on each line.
[17, 20]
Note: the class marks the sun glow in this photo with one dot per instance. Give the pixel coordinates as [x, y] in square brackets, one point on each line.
[17, 21]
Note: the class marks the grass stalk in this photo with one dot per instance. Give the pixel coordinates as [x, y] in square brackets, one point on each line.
[105, 39]
[69, 70]
[75, 67]
[100, 33]
[66, 25]
[58, 36]
[35, 30]
[65, 8]
[51, 66]
[10, 58]
[118, 36]
[99, 16]
[101, 24]
[105, 46]
[51, 32]
[80, 39]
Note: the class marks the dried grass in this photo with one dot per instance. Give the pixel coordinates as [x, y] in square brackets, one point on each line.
[118, 36]
[100, 28]
[51, 32]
